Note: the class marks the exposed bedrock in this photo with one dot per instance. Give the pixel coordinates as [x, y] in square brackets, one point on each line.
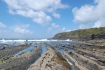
[92, 51]
[82, 62]
[11, 51]
[23, 61]
[84, 56]
[51, 60]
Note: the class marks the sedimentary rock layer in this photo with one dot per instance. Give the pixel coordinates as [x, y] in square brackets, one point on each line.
[12, 51]
[51, 60]
[23, 61]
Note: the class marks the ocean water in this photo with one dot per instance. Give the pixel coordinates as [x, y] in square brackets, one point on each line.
[9, 43]
[35, 42]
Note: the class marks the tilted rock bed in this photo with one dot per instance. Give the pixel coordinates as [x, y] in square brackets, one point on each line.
[11, 51]
[92, 51]
[84, 63]
[22, 62]
[87, 57]
[84, 56]
[51, 60]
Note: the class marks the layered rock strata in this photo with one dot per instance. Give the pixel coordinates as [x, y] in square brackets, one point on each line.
[84, 63]
[51, 60]
[11, 51]
[87, 56]
[23, 61]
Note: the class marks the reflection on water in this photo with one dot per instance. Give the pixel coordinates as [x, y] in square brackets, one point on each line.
[29, 49]
[44, 48]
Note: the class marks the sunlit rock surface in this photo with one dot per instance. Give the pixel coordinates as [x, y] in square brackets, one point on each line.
[51, 60]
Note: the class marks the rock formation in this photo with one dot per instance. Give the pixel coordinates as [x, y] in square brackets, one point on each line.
[51, 60]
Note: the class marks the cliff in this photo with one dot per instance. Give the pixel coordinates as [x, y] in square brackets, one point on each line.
[83, 34]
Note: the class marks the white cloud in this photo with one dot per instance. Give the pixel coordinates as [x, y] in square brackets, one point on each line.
[2, 25]
[100, 23]
[11, 12]
[39, 17]
[17, 31]
[54, 25]
[22, 29]
[56, 15]
[90, 13]
[35, 9]
[22, 25]
[83, 26]
[42, 19]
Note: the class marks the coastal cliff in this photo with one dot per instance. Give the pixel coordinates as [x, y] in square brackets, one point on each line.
[82, 34]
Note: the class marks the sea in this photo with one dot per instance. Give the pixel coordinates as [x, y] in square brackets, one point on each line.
[9, 43]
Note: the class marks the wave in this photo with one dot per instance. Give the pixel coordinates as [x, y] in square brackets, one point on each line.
[29, 40]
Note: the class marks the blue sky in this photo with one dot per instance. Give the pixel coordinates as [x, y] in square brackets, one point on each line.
[45, 18]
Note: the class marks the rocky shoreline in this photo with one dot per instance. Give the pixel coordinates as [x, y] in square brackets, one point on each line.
[23, 61]
[82, 56]
[87, 58]
[58, 55]
[13, 50]
[51, 60]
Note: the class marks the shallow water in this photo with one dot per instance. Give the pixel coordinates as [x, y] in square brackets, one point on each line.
[44, 48]
[29, 49]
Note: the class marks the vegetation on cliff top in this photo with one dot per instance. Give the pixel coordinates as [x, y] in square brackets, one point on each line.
[82, 32]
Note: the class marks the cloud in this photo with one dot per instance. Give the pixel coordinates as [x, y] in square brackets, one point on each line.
[37, 10]
[22, 29]
[90, 13]
[16, 31]
[100, 23]
[42, 19]
[2, 25]
[56, 15]
[82, 26]
[39, 17]
[54, 25]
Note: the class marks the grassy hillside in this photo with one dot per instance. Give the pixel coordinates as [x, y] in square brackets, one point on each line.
[82, 32]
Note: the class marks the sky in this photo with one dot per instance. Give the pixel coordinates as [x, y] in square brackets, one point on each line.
[45, 18]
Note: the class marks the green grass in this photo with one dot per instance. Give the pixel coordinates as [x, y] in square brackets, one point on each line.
[82, 32]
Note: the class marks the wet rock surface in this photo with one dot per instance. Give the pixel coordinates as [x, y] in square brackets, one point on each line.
[51, 60]
[87, 56]
[10, 51]
[56, 55]
[21, 62]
